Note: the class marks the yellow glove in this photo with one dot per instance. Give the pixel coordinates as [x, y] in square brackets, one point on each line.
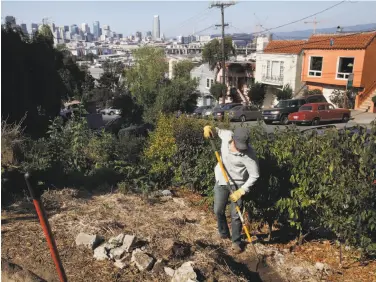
[237, 195]
[208, 131]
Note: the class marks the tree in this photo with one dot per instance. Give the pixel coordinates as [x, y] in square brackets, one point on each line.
[147, 76]
[342, 99]
[216, 90]
[212, 53]
[285, 93]
[31, 82]
[182, 69]
[312, 92]
[131, 112]
[257, 93]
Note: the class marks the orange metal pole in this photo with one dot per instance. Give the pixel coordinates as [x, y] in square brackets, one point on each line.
[47, 231]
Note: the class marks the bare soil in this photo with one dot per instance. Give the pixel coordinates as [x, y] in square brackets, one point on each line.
[156, 223]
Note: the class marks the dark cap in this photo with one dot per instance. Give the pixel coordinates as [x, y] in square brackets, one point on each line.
[241, 138]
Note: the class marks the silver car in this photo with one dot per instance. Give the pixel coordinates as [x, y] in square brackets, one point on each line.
[244, 113]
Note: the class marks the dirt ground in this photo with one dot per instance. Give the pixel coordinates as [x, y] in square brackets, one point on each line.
[155, 222]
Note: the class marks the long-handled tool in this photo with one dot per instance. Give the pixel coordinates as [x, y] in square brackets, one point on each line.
[47, 230]
[214, 147]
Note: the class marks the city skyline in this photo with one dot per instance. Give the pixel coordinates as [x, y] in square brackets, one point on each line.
[184, 18]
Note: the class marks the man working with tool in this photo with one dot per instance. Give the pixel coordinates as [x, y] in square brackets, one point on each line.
[241, 166]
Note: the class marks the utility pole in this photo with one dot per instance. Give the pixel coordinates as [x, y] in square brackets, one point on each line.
[222, 6]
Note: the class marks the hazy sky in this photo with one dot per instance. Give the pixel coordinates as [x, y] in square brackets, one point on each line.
[184, 17]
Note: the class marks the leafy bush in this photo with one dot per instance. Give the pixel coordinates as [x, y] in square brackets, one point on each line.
[284, 94]
[217, 89]
[342, 99]
[312, 92]
[257, 94]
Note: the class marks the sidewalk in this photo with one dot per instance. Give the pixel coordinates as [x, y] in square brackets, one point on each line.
[362, 117]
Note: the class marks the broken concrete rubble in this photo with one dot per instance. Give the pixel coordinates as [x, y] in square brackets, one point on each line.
[88, 240]
[185, 273]
[123, 262]
[128, 242]
[142, 260]
[169, 271]
[117, 241]
[101, 253]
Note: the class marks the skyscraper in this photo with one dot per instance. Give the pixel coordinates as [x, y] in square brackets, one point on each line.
[74, 29]
[156, 28]
[139, 34]
[24, 28]
[66, 28]
[96, 30]
[84, 27]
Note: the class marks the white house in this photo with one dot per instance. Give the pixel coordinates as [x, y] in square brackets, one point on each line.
[206, 79]
[280, 64]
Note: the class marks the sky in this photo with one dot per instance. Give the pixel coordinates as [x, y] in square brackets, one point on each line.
[188, 17]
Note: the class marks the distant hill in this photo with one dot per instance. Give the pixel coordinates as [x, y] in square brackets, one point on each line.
[303, 34]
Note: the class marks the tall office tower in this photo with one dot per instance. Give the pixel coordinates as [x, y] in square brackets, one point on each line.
[84, 27]
[66, 28]
[106, 27]
[156, 28]
[148, 34]
[74, 29]
[24, 28]
[138, 34]
[52, 27]
[96, 29]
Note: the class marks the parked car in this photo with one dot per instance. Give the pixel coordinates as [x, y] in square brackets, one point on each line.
[244, 113]
[285, 107]
[111, 111]
[314, 113]
[199, 111]
[219, 113]
[208, 112]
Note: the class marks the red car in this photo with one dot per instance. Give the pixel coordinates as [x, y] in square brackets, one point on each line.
[314, 113]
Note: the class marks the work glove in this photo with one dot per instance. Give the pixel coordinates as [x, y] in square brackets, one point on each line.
[208, 131]
[237, 195]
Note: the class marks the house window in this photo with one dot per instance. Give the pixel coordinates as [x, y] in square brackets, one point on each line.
[315, 66]
[207, 83]
[268, 69]
[281, 68]
[211, 82]
[345, 67]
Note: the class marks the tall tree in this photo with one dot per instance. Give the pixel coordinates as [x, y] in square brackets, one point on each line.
[147, 76]
[212, 53]
[182, 69]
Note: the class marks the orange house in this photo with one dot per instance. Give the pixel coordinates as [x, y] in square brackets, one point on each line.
[329, 59]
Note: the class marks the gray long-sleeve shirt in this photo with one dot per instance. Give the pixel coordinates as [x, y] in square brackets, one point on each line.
[242, 168]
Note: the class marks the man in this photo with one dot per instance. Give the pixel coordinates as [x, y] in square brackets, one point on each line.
[241, 165]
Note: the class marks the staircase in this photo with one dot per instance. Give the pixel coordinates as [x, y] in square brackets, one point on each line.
[367, 103]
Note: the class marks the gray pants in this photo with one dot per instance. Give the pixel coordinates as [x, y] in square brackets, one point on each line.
[221, 197]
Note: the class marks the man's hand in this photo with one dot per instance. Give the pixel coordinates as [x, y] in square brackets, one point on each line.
[208, 132]
[237, 195]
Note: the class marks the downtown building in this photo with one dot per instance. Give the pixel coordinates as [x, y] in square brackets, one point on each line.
[156, 28]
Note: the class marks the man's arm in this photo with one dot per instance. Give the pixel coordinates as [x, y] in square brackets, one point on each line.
[224, 134]
[253, 173]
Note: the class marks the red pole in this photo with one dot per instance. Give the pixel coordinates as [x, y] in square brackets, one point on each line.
[46, 230]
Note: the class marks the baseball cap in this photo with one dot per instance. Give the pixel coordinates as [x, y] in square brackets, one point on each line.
[241, 138]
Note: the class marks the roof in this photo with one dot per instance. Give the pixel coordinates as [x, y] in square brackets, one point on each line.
[285, 46]
[340, 41]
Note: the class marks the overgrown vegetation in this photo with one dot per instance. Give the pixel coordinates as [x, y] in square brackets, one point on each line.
[284, 94]
[256, 94]
[342, 99]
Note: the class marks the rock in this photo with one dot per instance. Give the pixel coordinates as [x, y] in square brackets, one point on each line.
[169, 271]
[117, 241]
[179, 201]
[158, 266]
[128, 242]
[185, 273]
[166, 193]
[118, 252]
[101, 253]
[123, 262]
[175, 249]
[142, 260]
[88, 240]
[319, 266]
